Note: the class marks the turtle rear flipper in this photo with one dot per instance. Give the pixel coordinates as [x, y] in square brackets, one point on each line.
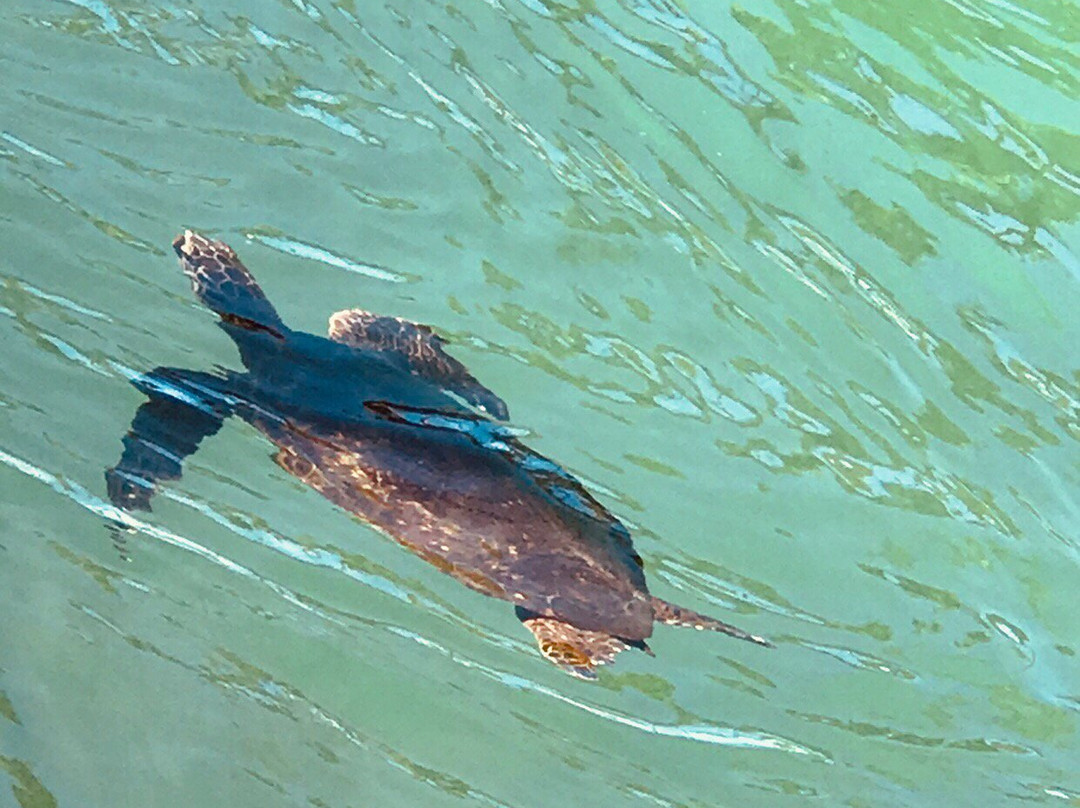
[575, 650]
[225, 285]
[673, 615]
[419, 348]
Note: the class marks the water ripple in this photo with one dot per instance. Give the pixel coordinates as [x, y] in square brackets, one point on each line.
[312, 252]
[702, 733]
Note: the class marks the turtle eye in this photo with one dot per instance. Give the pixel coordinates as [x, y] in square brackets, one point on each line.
[250, 325]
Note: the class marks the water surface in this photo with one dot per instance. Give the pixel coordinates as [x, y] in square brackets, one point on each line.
[791, 285]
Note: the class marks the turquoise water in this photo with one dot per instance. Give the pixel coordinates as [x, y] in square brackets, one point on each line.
[792, 285]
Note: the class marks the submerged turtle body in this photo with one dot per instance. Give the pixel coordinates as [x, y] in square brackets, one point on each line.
[383, 422]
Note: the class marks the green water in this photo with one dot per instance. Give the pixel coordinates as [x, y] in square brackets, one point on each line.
[792, 285]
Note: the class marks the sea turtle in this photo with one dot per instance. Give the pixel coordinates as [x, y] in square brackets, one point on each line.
[380, 420]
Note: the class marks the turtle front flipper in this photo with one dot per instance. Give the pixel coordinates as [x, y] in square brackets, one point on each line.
[419, 348]
[180, 413]
[575, 650]
[673, 615]
[225, 285]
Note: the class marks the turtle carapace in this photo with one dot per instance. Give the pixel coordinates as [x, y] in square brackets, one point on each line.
[380, 420]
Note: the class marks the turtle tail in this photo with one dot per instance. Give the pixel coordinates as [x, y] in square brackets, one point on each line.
[673, 615]
[224, 285]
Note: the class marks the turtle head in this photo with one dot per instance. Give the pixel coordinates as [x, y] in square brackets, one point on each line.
[224, 284]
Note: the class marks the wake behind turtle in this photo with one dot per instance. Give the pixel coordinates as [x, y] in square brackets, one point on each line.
[380, 420]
